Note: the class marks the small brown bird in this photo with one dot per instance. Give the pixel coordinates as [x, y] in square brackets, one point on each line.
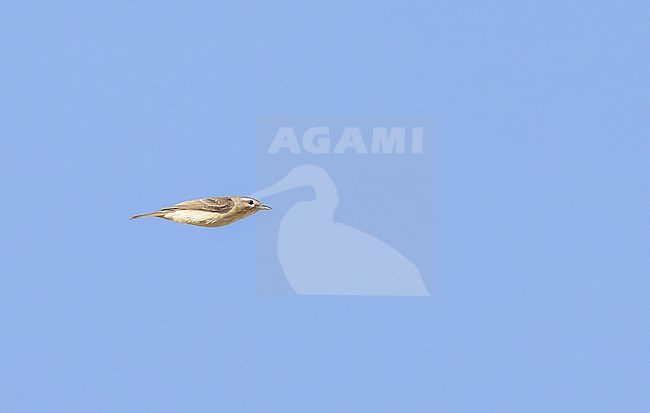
[210, 212]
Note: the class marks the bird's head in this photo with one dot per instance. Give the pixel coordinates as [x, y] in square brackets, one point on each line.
[251, 204]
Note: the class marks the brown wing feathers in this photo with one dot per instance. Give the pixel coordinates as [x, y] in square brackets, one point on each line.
[220, 205]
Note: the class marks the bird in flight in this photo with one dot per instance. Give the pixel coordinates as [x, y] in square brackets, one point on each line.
[210, 212]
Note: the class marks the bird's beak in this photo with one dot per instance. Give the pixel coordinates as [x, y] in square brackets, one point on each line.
[264, 207]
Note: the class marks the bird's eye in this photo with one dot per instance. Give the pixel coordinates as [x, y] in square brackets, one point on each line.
[251, 202]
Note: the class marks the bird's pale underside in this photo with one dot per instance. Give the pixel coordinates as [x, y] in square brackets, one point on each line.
[210, 212]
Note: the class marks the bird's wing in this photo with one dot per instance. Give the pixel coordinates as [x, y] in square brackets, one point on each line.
[220, 205]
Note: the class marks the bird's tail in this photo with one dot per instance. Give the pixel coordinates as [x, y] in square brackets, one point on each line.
[150, 214]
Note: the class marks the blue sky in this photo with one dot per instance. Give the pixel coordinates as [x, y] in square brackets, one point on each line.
[540, 176]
